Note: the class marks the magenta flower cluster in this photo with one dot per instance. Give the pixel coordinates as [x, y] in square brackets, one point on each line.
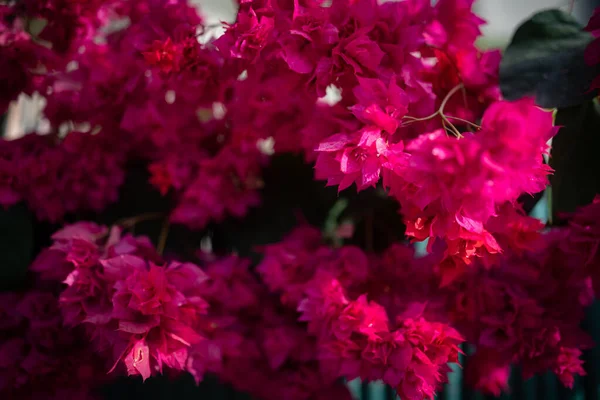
[312, 314]
[394, 95]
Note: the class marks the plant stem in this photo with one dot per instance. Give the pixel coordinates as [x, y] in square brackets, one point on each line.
[130, 222]
[445, 121]
[162, 238]
[449, 96]
[451, 93]
[473, 124]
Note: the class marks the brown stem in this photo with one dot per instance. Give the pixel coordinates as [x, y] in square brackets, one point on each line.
[473, 124]
[449, 96]
[440, 112]
[427, 118]
[456, 70]
[130, 222]
[162, 238]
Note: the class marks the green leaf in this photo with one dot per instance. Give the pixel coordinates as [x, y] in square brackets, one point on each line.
[332, 222]
[545, 59]
[16, 246]
[3, 118]
[575, 158]
[36, 26]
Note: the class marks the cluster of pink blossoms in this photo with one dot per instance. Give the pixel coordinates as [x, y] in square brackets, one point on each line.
[315, 314]
[256, 343]
[516, 315]
[336, 293]
[138, 309]
[144, 93]
[196, 112]
[394, 95]
[146, 316]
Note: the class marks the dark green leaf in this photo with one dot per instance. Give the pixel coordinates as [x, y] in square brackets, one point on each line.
[332, 222]
[575, 158]
[16, 246]
[545, 59]
[2, 123]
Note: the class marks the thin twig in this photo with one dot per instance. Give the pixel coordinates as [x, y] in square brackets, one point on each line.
[440, 112]
[473, 124]
[445, 127]
[464, 95]
[443, 105]
[413, 119]
[449, 96]
[448, 126]
[130, 222]
[456, 70]
[162, 238]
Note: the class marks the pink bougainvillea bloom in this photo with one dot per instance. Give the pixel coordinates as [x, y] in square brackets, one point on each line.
[248, 36]
[380, 106]
[356, 158]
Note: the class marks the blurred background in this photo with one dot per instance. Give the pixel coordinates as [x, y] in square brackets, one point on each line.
[503, 16]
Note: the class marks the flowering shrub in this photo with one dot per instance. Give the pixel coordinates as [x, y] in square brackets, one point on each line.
[168, 221]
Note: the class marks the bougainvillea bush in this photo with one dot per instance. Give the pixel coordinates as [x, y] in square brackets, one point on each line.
[246, 207]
